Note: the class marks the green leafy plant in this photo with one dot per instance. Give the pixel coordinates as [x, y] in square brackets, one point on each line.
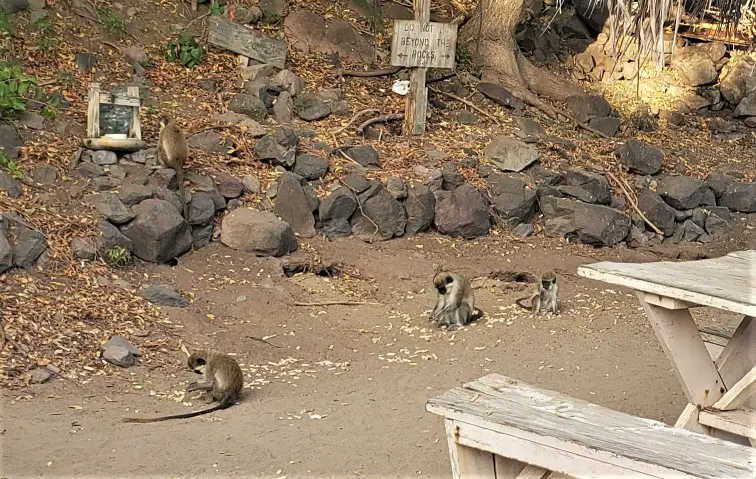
[184, 48]
[5, 23]
[112, 21]
[118, 256]
[17, 89]
[216, 8]
[10, 166]
[46, 38]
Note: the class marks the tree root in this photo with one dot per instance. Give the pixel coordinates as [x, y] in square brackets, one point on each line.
[380, 119]
[330, 303]
[468, 103]
[375, 73]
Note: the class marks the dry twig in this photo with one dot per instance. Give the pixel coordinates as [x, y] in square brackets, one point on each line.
[331, 303]
[632, 201]
[468, 103]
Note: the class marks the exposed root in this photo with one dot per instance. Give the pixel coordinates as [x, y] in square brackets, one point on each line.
[380, 119]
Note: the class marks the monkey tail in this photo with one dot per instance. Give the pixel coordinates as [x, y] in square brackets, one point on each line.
[142, 420]
[180, 178]
[519, 303]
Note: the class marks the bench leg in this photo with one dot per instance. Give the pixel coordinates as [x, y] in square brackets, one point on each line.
[467, 462]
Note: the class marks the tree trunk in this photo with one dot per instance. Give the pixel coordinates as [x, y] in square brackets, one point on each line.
[489, 35]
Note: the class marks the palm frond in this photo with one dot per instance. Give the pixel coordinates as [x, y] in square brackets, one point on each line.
[643, 23]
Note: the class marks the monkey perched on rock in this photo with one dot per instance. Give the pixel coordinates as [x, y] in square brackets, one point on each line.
[223, 381]
[544, 297]
[455, 306]
[173, 151]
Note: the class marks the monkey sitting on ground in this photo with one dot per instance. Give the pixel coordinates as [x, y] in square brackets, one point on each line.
[223, 381]
[544, 297]
[173, 151]
[455, 306]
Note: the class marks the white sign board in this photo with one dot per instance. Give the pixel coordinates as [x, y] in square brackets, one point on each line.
[423, 44]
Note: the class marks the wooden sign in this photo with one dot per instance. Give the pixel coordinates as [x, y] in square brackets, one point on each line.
[130, 140]
[423, 44]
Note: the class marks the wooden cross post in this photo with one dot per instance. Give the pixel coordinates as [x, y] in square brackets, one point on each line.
[421, 44]
[417, 99]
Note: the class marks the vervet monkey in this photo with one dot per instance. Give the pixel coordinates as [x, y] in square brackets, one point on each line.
[173, 151]
[455, 305]
[544, 297]
[222, 381]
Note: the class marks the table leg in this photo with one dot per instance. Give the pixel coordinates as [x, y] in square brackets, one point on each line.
[681, 341]
[739, 356]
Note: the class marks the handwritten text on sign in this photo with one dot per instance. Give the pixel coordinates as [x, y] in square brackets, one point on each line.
[423, 44]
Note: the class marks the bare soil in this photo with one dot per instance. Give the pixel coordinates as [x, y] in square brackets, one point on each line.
[340, 390]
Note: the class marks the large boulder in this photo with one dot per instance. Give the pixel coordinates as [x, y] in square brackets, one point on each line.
[335, 210]
[657, 211]
[158, 233]
[510, 154]
[738, 81]
[293, 207]
[420, 206]
[381, 209]
[278, 147]
[740, 196]
[258, 232]
[590, 224]
[639, 157]
[110, 206]
[684, 192]
[695, 66]
[27, 244]
[594, 183]
[513, 202]
[464, 213]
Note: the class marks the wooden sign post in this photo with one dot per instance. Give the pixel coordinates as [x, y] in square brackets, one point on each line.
[421, 44]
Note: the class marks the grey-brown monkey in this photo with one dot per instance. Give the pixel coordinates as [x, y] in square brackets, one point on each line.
[544, 297]
[173, 151]
[455, 305]
[222, 381]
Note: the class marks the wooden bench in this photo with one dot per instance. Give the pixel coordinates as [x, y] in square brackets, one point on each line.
[498, 427]
[668, 292]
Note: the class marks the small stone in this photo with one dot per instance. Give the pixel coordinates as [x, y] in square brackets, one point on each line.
[11, 186]
[365, 155]
[39, 375]
[397, 187]
[251, 184]
[287, 81]
[465, 117]
[283, 108]
[640, 157]
[109, 206]
[311, 108]
[510, 154]
[523, 230]
[164, 295]
[310, 167]
[84, 248]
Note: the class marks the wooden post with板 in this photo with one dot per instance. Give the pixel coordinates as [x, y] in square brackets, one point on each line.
[421, 44]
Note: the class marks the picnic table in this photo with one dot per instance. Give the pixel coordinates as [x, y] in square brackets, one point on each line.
[720, 391]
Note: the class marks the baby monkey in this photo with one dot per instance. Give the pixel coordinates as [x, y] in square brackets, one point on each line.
[222, 381]
[455, 306]
[544, 297]
[173, 151]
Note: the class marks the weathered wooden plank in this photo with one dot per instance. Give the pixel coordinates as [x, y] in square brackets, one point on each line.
[121, 100]
[595, 434]
[114, 144]
[678, 335]
[532, 472]
[739, 393]
[720, 331]
[725, 283]
[549, 453]
[739, 356]
[507, 468]
[666, 302]
[467, 462]
[422, 44]
[247, 42]
[416, 108]
[741, 422]
[93, 111]
[136, 124]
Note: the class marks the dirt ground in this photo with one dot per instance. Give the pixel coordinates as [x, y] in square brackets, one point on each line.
[340, 390]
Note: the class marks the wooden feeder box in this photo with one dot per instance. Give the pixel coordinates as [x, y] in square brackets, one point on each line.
[116, 107]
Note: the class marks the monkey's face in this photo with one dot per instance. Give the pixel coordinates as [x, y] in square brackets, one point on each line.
[441, 281]
[547, 283]
[197, 363]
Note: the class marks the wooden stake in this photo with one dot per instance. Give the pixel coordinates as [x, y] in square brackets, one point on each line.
[417, 98]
